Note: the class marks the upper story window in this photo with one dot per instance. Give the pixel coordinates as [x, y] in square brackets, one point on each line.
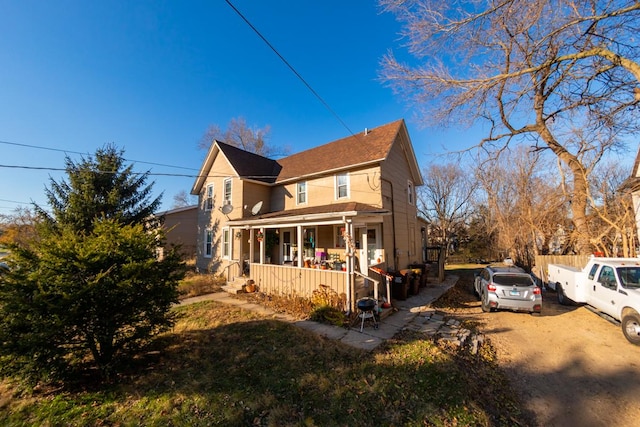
[410, 193]
[301, 193]
[342, 186]
[227, 191]
[208, 204]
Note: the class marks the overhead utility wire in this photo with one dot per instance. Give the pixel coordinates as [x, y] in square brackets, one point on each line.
[290, 67]
[82, 154]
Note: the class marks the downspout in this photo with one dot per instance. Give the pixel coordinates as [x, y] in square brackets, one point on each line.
[393, 223]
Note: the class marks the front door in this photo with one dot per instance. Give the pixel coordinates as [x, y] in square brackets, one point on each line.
[370, 252]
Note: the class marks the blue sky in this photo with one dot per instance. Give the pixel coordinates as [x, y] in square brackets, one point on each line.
[151, 76]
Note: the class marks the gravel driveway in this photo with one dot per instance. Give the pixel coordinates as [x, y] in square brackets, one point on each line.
[572, 367]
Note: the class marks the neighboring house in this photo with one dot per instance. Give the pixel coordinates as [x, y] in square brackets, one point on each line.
[321, 216]
[633, 184]
[181, 225]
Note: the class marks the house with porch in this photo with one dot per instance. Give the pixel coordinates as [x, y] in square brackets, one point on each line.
[338, 215]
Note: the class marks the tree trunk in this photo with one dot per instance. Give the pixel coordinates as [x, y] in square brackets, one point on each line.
[579, 196]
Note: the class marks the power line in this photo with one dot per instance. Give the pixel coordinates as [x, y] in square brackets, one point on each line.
[61, 150]
[176, 175]
[13, 201]
[326, 105]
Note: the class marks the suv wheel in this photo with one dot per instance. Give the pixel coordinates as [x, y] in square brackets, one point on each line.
[485, 303]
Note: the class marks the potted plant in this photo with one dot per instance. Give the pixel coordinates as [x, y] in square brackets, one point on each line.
[250, 286]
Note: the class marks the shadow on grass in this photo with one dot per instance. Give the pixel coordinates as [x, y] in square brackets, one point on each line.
[265, 372]
[225, 366]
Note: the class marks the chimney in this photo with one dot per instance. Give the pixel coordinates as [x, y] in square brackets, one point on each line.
[366, 131]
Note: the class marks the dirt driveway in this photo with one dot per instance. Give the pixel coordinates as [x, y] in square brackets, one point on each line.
[572, 367]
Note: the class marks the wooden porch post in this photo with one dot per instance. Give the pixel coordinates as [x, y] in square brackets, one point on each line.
[350, 266]
[251, 237]
[300, 247]
[264, 236]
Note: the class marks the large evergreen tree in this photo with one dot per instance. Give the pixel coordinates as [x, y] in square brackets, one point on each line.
[90, 287]
[100, 186]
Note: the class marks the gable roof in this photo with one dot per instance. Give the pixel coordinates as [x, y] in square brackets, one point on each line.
[360, 149]
[250, 165]
[246, 165]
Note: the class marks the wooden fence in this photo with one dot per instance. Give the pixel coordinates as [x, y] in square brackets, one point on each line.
[542, 262]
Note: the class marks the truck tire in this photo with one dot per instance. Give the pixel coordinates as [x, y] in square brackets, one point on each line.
[631, 327]
[562, 298]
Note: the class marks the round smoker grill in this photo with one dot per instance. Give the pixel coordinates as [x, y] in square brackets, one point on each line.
[367, 307]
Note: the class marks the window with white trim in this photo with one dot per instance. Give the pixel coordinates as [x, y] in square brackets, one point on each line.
[227, 191]
[208, 204]
[301, 193]
[342, 186]
[410, 193]
[208, 243]
[225, 243]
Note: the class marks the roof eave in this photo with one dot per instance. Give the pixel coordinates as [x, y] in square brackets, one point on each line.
[305, 218]
[329, 171]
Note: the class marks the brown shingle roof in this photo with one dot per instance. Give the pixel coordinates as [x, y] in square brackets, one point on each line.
[374, 145]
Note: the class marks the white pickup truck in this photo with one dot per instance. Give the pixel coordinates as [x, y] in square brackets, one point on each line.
[611, 286]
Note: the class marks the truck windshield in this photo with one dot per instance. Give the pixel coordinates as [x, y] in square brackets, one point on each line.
[629, 276]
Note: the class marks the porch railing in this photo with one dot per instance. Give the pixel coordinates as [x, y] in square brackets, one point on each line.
[287, 280]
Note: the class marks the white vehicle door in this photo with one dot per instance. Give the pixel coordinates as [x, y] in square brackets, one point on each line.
[603, 292]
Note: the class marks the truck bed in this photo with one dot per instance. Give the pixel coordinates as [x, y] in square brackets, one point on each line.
[569, 277]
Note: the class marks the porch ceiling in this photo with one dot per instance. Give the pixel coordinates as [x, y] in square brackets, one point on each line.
[327, 213]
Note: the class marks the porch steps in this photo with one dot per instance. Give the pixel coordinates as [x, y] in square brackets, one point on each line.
[235, 286]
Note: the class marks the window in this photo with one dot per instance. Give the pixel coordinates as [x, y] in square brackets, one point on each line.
[342, 186]
[338, 231]
[208, 204]
[225, 243]
[227, 191]
[410, 192]
[302, 193]
[208, 243]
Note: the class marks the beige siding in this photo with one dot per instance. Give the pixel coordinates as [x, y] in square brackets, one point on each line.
[244, 196]
[182, 229]
[364, 187]
[396, 177]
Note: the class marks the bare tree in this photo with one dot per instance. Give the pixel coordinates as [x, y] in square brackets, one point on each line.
[19, 227]
[612, 216]
[534, 71]
[445, 199]
[241, 135]
[182, 199]
[527, 208]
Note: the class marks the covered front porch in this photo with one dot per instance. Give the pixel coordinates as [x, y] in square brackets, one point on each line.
[294, 255]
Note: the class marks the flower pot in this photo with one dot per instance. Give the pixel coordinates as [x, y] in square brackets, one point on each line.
[250, 286]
